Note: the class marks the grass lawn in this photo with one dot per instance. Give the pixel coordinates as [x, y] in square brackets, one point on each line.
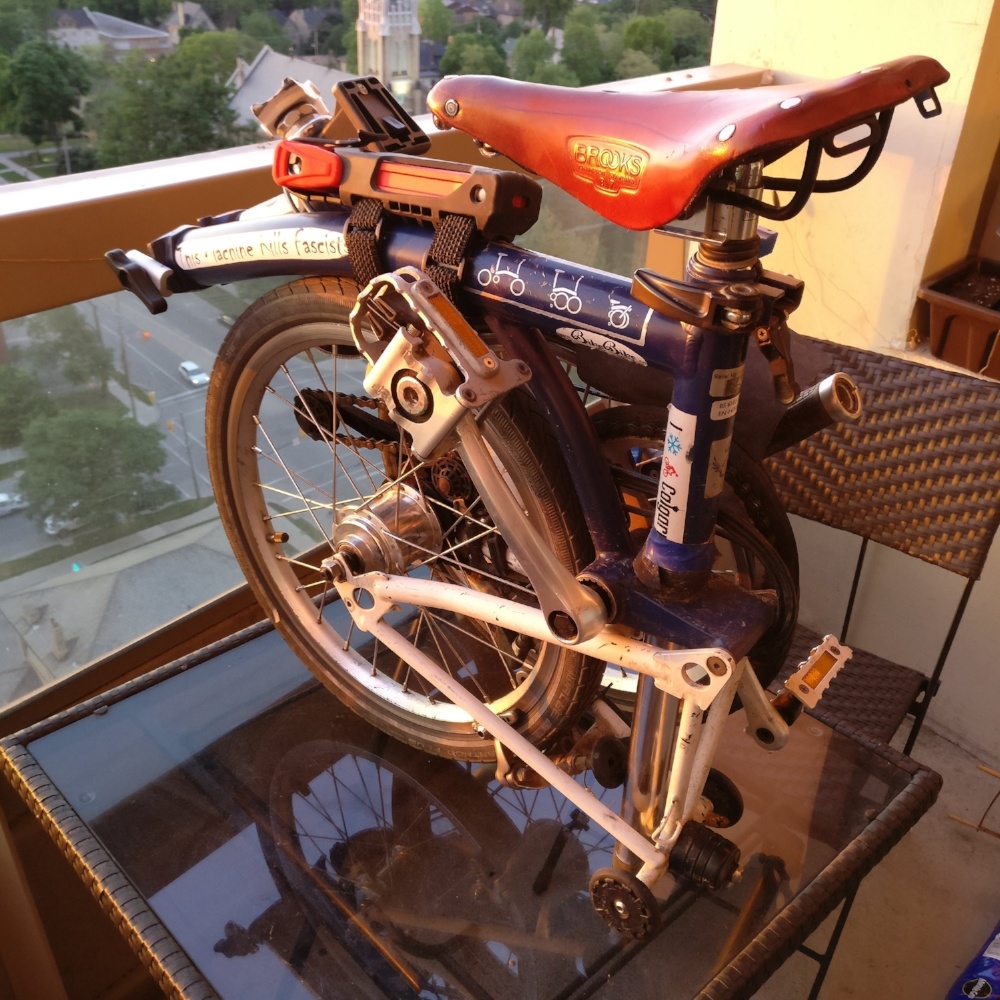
[13, 143]
[11, 176]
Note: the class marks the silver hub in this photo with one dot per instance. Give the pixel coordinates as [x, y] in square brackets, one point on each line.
[392, 532]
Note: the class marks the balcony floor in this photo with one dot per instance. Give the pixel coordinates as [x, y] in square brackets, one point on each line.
[925, 912]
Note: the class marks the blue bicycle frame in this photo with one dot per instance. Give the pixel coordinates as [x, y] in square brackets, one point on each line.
[517, 292]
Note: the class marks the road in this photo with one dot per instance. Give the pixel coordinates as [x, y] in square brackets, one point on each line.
[149, 349]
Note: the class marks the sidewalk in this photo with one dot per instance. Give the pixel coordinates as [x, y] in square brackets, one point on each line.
[61, 616]
[6, 163]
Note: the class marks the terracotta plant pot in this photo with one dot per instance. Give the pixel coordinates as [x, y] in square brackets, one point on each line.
[964, 302]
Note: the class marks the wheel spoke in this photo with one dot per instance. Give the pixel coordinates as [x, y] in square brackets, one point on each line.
[307, 463]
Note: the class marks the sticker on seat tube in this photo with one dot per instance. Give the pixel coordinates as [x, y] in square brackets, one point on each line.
[675, 475]
[718, 459]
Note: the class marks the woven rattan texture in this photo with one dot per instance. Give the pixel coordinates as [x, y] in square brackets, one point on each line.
[174, 973]
[870, 694]
[920, 471]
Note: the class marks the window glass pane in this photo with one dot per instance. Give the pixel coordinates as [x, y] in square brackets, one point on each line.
[569, 230]
[107, 524]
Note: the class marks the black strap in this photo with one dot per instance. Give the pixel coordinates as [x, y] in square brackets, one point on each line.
[362, 240]
[449, 248]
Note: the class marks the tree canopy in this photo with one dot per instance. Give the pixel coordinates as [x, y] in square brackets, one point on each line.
[62, 340]
[651, 36]
[531, 52]
[259, 24]
[582, 53]
[170, 107]
[437, 22]
[40, 90]
[549, 13]
[475, 52]
[22, 399]
[22, 20]
[216, 52]
[90, 463]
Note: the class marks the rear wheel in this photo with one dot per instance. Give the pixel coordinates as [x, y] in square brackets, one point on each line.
[302, 459]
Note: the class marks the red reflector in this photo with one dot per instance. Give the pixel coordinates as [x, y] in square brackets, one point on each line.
[519, 201]
[302, 166]
[417, 179]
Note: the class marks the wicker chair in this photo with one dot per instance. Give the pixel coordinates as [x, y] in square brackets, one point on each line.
[919, 472]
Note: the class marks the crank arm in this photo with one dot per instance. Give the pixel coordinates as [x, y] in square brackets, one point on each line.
[764, 724]
[573, 611]
[695, 675]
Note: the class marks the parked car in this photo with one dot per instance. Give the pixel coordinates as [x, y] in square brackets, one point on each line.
[192, 373]
[10, 503]
[56, 524]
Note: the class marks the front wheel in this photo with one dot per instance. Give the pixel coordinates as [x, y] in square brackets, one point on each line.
[302, 459]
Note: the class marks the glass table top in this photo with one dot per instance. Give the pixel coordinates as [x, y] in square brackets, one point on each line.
[291, 851]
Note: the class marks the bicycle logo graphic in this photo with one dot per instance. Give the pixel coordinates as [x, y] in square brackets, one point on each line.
[618, 315]
[492, 275]
[565, 298]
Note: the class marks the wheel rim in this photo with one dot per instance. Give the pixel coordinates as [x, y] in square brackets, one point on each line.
[294, 498]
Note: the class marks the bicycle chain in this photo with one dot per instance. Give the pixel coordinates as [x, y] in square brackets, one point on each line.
[350, 440]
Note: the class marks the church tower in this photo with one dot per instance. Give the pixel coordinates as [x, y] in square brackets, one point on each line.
[389, 46]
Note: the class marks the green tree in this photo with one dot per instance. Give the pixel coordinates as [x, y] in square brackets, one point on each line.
[42, 88]
[259, 24]
[437, 22]
[22, 399]
[692, 35]
[62, 340]
[557, 75]
[90, 463]
[350, 33]
[633, 64]
[22, 20]
[581, 50]
[170, 107]
[486, 28]
[548, 13]
[652, 36]
[474, 52]
[216, 52]
[230, 13]
[531, 52]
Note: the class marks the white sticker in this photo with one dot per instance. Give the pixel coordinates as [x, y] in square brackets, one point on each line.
[723, 409]
[205, 249]
[599, 343]
[675, 475]
[993, 949]
[717, 460]
[726, 381]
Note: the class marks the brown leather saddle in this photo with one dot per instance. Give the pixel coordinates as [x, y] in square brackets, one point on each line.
[641, 160]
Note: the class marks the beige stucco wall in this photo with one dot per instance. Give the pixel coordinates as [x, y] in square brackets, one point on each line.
[862, 254]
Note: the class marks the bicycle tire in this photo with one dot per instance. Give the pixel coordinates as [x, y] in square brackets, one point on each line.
[256, 430]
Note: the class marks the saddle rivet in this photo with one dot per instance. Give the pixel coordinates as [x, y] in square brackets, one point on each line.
[727, 133]
[451, 107]
[790, 102]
